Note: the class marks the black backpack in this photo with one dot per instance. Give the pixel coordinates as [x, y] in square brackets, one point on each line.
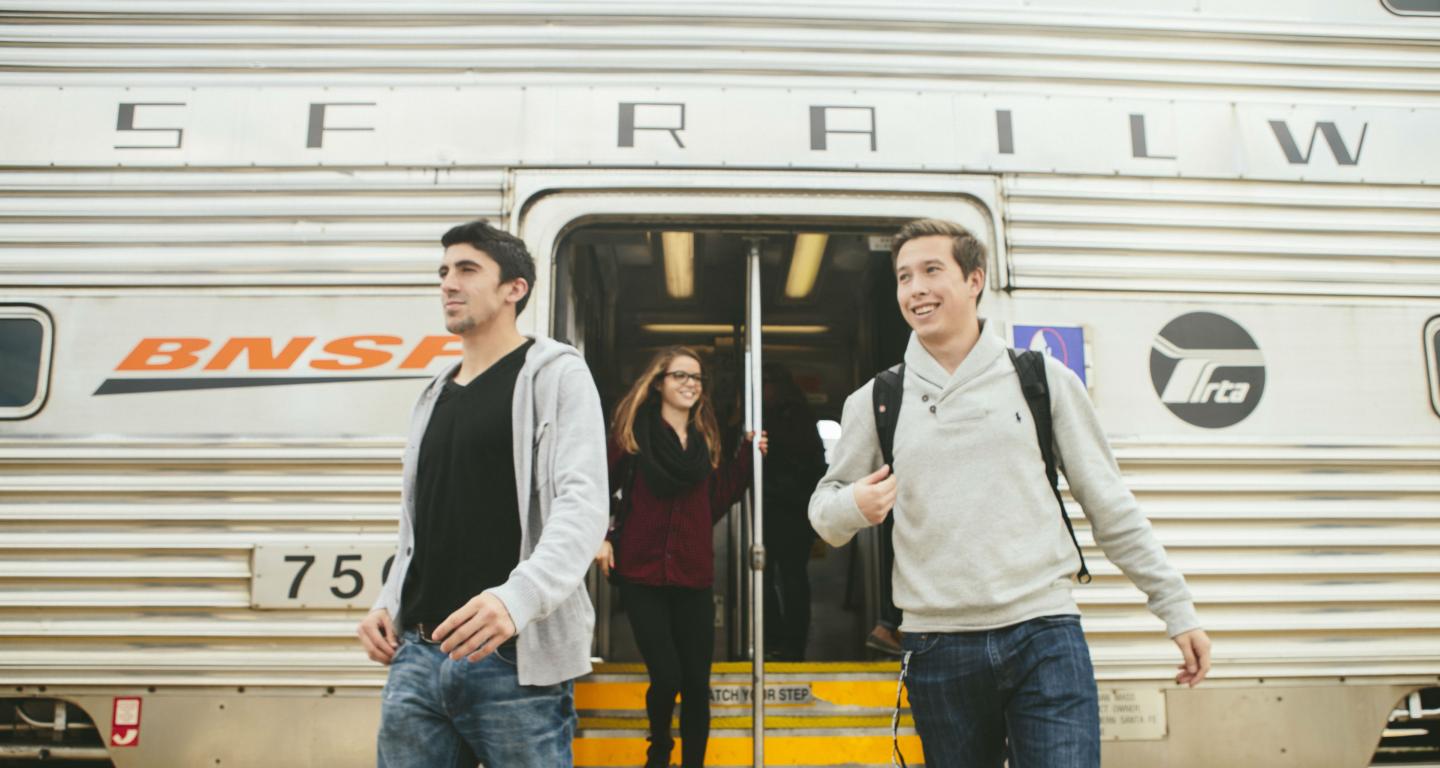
[1030, 366]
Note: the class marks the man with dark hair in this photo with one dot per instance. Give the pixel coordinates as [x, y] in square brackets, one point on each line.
[485, 621]
[506, 250]
[995, 660]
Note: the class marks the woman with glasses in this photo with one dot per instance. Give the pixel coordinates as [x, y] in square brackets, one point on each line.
[665, 457]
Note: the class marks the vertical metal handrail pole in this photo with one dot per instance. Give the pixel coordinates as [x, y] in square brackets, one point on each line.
[738, 571]
[754, 398]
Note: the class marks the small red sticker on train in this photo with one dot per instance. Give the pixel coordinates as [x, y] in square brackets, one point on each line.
[125, 722]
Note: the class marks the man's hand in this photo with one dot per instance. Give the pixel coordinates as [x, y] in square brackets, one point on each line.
[1195, 647]
[476, 629]
[605, 558]
[377, 634]
[875, 495]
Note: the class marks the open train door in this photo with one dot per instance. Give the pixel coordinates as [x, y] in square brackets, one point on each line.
[612, 285]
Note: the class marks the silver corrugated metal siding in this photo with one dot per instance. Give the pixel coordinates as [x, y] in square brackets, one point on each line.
[125, 566]
[294, 227]
[1304, 560]
[1183, 235]
[127, 561]
[1354, 47]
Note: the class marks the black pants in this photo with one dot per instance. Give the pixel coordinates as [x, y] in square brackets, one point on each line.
[787, 596]
[675, 630]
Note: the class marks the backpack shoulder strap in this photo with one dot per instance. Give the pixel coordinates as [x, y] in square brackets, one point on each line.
[886, 396]
[1030, 367]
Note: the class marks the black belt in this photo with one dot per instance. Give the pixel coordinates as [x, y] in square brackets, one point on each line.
[426, 632]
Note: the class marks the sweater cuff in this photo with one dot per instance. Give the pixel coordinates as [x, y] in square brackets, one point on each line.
[841, 518]
[520, 601]
[1179, 617]
[854, 518]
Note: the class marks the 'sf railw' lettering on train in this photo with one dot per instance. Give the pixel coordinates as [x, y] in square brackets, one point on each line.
[189, 363]
[824, 121]
[699, 126]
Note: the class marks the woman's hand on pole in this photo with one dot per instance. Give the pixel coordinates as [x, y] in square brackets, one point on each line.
[605, 558]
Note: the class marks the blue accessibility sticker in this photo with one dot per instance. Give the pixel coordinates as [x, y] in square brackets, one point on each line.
[1065, 343]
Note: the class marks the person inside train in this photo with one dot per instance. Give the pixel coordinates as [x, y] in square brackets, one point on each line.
[674, 484]
[793, 466]
[489, 623]
[995, 660]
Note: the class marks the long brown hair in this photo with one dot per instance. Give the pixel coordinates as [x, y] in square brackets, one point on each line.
[702, 413]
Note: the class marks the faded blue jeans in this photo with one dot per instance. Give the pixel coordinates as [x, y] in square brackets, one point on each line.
[1024, 692]
[438, 713]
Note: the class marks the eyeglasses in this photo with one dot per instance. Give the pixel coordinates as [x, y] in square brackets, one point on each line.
[681, 377]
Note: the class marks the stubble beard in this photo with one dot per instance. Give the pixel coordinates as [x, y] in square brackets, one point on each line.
[460, 325]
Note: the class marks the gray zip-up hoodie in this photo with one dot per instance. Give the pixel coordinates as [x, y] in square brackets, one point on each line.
[562, 486]
[979, 543]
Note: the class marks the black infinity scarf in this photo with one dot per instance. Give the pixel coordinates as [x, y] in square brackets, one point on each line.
[669, 469]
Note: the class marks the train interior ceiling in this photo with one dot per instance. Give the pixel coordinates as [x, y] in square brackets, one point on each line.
[829, 322]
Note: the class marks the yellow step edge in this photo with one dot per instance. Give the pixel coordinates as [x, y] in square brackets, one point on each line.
[771, 667]
[594, 695]
[824, 750]
[744, 722]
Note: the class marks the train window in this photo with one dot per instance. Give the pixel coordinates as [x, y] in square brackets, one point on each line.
[1413, 7]
[25, 341]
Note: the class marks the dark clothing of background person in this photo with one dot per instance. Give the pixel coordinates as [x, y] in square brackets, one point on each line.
[665, 560]
[467, 518]
[794, 464]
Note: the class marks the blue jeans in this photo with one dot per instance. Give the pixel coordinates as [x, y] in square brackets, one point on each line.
[1026, 692]
[438, 713]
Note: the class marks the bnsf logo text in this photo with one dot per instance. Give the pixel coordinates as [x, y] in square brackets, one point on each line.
[253, 357]
[351, 353]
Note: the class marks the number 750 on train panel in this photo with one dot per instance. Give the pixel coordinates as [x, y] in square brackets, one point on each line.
[318, 576]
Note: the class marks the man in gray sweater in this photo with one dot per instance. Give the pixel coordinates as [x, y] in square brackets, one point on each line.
[995, 660]
[485, 621]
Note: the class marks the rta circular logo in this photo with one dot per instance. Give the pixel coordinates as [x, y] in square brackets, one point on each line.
[1207, 370]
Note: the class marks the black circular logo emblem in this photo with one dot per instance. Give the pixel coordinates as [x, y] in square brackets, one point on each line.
[1207, 370]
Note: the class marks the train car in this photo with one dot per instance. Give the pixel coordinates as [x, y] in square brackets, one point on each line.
[218, 297]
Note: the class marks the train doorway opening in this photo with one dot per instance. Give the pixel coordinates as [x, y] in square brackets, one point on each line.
[823, 293]
[788, 268]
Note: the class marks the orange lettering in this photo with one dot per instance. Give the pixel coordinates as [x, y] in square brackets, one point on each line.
[261, 354]
[174, 355]
[364, 357]
[430, 348]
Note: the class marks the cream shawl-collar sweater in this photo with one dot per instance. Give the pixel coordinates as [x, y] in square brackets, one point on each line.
[979, 543]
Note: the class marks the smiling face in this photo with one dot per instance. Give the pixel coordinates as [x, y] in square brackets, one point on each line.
[936, 297]
[471, 291]
[677, 394]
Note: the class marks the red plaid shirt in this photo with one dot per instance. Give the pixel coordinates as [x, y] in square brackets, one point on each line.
[667, 542]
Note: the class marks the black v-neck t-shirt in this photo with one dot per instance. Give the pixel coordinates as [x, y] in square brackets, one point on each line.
[467, 516]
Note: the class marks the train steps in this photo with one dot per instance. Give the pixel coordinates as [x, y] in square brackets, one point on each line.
[817, 714]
